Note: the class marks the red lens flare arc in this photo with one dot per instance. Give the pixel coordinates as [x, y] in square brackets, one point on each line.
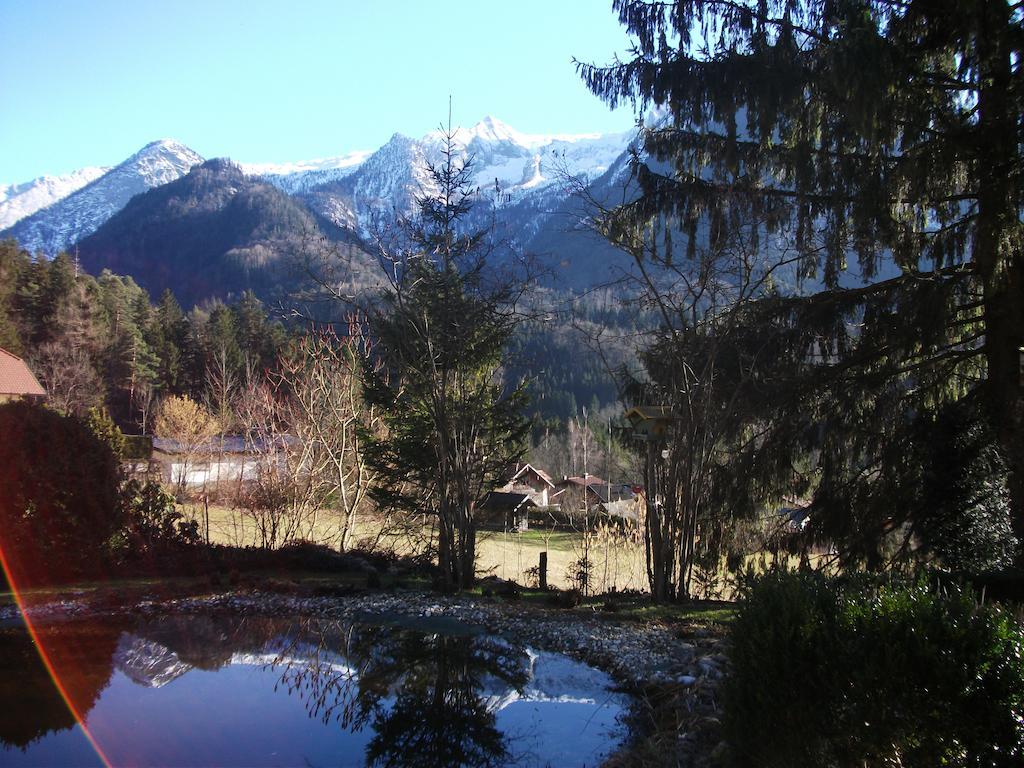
[48, 663]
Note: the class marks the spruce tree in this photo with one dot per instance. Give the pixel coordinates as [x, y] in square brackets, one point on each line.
[881, 142]
[438, 332]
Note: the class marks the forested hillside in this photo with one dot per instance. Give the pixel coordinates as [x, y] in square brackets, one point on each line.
[100, 341]
[105, 341]
[214, 233]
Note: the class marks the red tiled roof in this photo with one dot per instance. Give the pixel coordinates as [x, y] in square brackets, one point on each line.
[16, 378]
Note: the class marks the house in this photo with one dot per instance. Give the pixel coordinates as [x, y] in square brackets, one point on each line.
[578, 481]
[587, 498]
[228, 459]
[650, 423]
[506, 511]
[16, 380]
[592, 488]
[535, 483]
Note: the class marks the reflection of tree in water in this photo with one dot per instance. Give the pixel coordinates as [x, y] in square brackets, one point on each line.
[82, 656]
[437, 716]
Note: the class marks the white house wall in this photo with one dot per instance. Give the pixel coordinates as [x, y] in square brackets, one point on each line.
[201, 473]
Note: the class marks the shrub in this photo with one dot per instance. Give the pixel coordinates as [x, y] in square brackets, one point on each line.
[831, 673]
[154, 524]
[58, 494]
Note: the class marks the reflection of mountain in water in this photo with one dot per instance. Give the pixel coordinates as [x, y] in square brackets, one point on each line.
[550, 677]
[423, 698]
[148, 663]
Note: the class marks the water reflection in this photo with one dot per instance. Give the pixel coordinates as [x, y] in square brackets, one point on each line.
[190, 689]
[32, 705]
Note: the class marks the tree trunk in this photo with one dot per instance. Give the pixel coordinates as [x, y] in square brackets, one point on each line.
[468, 554]
[444, 551]
[997, 246]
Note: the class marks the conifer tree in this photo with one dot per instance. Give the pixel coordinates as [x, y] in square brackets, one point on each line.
[438, 333]
[171, 339]
[867, 134]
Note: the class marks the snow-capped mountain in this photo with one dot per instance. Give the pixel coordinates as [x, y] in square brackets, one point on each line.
[519, 161]
[509, 167]
[529, 178]
[385, 184]
[148, 663]
[20, 200]
[69, 219]
[303, 175]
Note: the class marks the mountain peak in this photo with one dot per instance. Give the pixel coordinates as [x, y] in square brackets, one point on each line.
[168, 146]
[64, 222]
[492, 129]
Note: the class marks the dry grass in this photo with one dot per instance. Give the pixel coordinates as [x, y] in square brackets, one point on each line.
[615, 562]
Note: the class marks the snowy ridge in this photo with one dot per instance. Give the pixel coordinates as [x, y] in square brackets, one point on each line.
[303, 175]
[305, 166]
[71, 218]
[509, 167]
[529, 178]
[20, 200]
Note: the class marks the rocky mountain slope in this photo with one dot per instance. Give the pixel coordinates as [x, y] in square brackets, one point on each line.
[20, 200]
[67, 220]
[524, 182]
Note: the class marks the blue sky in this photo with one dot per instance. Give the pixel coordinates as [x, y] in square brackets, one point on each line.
[89, 83]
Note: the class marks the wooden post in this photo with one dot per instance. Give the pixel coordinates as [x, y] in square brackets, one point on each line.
[543, 570]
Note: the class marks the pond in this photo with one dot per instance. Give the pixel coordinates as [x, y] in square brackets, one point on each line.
[192, 689]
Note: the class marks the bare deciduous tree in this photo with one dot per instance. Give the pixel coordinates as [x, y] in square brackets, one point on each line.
[68, 375]
[306, 425]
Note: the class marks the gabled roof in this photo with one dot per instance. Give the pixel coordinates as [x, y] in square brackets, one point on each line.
[539, 472]
[16, 378]
[638, 412]
[227, 444]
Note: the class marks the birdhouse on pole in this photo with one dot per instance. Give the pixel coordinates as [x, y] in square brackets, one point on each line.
[651, 422]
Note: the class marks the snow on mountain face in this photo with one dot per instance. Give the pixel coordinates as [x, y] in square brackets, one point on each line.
[71, 218]
[529, 176]
[507, 165]
[148, 663]
[387, 183]
[303, 175]
[20, 200]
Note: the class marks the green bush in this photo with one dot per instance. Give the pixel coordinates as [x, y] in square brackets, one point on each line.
[830, 673]
[154, 524]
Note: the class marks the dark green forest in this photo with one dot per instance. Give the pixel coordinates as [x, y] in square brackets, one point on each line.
[103, 341]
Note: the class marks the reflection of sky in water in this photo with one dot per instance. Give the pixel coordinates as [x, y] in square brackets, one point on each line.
[160, 710]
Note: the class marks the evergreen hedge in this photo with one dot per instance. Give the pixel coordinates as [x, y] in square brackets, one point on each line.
[847, 673]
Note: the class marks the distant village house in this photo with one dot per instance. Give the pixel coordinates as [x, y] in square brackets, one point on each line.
[231, 459]
[17, 382]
